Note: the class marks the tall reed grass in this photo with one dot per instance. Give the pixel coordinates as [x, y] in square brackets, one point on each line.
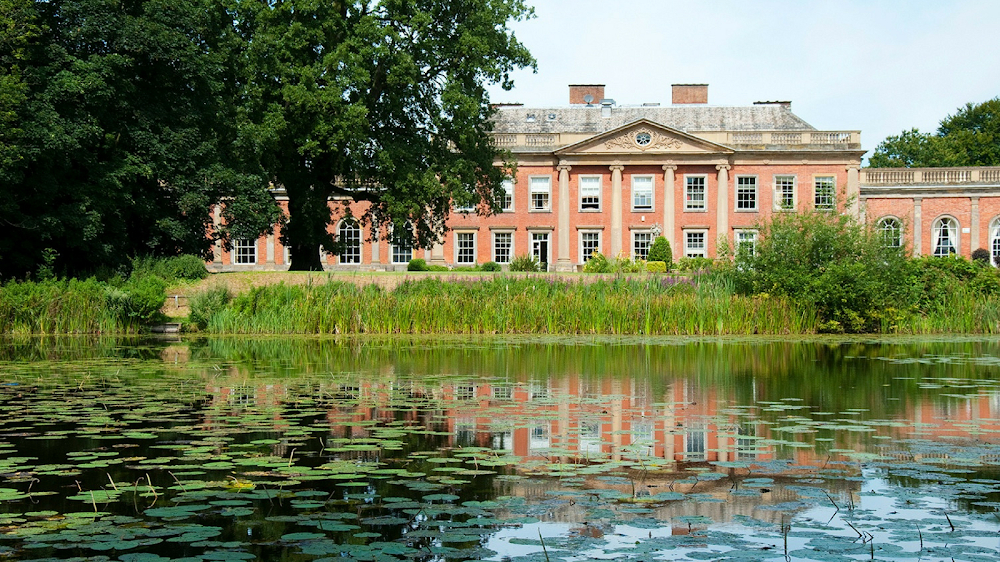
[506, 305]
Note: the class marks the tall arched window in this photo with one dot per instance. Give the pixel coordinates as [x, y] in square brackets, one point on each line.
[995, 242]
[945, 237]
[891, 231]
[349, 236]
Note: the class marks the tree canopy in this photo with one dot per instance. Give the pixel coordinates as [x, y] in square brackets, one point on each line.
[382, 102]
[970, 137]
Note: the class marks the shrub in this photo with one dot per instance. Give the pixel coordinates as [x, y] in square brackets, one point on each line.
[623, 264]
[660, 251]
[981, 256]
[417, 264]
[137, 301]
[597, 264]
[656, 267]
[187, 266]
[437, 268]
[490, 266]
[524, 262]
[694, 264]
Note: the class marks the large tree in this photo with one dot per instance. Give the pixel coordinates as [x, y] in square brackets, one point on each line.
[380, 101]
[970, 137]
[118, 122]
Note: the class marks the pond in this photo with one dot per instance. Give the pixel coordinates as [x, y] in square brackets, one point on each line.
[520, 449]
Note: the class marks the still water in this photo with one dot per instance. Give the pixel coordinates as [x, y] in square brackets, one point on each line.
[522, 449]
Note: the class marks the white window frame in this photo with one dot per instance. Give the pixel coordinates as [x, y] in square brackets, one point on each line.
[507, 205]
[954, 235]
[749, 235]
[585, 256]
[897, 227]
[688, 206]
[690, 252]
[580, 180]
[396, 249]
[635, 253]
[830, 182]
[995, 242]
[346, 256]
[747, 188]
[652, 193]
[780, 203]
[540, 185]
[459, 236]
[244, 251]
[538, 236]
[510, 249]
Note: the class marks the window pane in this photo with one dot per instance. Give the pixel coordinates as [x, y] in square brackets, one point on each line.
[640, 244]
[785, 187]
[590, 193]
[540, 189]
[466, 242]
[245, 251]
[824, 193]
[694, 194]
[402, 249]
[746, 193]
[891, 232]
[508, 198]
[642, 192]
[590, 242]
[945, 237]
[350, 237]
[694, 244]
[746, 241]
[502, 242]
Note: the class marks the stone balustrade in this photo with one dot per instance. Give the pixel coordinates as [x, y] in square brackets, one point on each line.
[929, 176]
[738, 139]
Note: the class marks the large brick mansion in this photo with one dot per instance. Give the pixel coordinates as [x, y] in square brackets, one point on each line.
[594, 175]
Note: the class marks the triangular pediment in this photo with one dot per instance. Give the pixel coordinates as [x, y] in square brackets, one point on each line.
[644, 137]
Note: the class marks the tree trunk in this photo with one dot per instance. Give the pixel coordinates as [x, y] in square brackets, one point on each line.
[306, 231]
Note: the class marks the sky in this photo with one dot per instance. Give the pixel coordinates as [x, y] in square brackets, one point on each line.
[878, 66]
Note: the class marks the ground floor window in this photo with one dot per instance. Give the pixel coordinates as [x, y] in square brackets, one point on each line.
[891, 231]
[995, 242]
[350, 239]
[244, 251]
[590, 242]
[746, 241]
[641, 241]
[402, 247]
[503, 242]
[465, 243]
[540, 249]
[694, 244]
[945, 237]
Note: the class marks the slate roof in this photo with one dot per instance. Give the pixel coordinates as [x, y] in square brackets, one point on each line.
[587, 119]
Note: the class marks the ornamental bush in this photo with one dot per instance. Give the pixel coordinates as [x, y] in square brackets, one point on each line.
[524, 262]
[656, 267]
[417, 264]
[490, 266]
[981, 256]
[598, 263]
[660, 251]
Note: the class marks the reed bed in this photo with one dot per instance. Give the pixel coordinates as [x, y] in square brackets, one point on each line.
[507, 305]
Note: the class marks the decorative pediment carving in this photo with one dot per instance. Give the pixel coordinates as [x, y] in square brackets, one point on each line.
[643, 138]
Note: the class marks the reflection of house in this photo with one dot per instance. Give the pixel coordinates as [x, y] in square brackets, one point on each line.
[598, 176]
[935, 211]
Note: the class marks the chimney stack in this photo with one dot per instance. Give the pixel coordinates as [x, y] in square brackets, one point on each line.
[578, 94]
[689, 93]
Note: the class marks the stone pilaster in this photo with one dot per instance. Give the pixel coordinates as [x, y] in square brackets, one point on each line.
[853, 203]
[918, 227]
[216, 224]
[722, 203]
[437, 252]
[269, 249]
[669, 205]
[616, 210]
[974, 241]
[563, 262]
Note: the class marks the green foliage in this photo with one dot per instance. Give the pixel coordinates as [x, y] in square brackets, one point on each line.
[656, 267]
[598, 263]
[524, 262]
[660, 251]
[438, 268]
[207, 304]
[827, 262]
[186, 267]
[417, 264]
[623, 264]
[688, 264]
[981, 256]
[490, 266]
[970, 137]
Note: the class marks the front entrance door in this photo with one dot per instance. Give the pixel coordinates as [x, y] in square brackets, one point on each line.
[540, 249]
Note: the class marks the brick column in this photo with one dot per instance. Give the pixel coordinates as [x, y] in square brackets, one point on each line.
[669, 205]
[563, 262]
[722, 205]
[616, 210]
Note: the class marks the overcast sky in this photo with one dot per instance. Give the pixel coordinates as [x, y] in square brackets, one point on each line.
[878, 66]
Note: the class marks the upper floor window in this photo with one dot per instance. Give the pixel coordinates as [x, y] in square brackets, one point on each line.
[746, 193]
[590, 193]
[540, 188]
[349, 235]
[508, 195]
[642, 193]
[694, 193]
[891, 231]
[824, 189]
[945, 237]
[784, 192]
